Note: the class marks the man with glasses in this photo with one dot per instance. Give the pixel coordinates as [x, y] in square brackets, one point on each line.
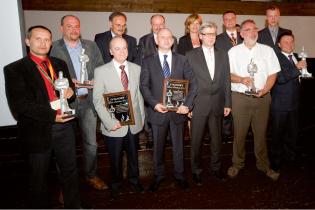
[213, 101]
[251, 110]
[117, 24]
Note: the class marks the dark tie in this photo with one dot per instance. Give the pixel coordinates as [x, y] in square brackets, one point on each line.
[290, 58]
[166, 68]
[123, 77]
[44, 64]
[233, 39]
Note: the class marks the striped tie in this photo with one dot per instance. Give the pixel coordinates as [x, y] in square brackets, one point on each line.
[123, 77]
[166, 68]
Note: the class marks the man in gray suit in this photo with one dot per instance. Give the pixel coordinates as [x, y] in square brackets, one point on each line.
[116, 76]
[213, 101]
[271, 33]
[69, 49]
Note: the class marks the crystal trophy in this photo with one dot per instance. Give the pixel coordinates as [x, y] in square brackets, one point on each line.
[84, 58]
[61, 84]
[304, 72]
[251, 69]
[169, 101]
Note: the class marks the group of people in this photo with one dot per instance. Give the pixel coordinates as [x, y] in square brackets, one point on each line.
[215, 67]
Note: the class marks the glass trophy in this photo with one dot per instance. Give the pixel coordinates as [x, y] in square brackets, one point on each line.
[304, 72]
[84, 58]
[61, 84]
[251, 69]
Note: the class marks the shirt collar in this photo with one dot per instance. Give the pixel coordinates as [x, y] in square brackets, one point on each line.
[78, 45]
[37, 59]
[117, 65]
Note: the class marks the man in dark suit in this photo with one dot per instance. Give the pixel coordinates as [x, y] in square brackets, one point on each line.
[147, 44]
[213, 101]
[69, 49]
[117, 24]
[230, 37]
[225, 41]
[155, 68]
[285, 101]
[33, 100]
[270, 34]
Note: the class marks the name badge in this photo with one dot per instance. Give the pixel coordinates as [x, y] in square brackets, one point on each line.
[55, 105]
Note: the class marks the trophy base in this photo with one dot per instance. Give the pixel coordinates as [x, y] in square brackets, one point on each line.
[70, 114]
[250, 92]
[86, 83]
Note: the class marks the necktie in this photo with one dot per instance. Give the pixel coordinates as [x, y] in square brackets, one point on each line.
[166, 68]
[123, 77]
[290, 58]
[233, 39]
[44, 64]
[274, 35]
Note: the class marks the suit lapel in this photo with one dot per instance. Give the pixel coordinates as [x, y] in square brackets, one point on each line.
[217, 64]
[157, 63]
[65, 54]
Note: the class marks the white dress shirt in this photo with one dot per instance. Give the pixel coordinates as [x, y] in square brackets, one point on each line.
[168, 59]
[117, 65]
[209, 56]
[263, 56]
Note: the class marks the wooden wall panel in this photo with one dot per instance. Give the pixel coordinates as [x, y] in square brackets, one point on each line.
[288, 7]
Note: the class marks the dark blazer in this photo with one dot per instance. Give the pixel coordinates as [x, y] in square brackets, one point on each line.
[184, 44]
[151, 85]
[60, 51]
[102, 40]
[264, 37]
[223, 41]
[213, 94]
[147, 46]
[285, 92]
[29, 101]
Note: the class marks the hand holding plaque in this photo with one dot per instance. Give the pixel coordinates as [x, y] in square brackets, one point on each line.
[119, 106]
[174, 93]
[251, 69]
[84, 82]
[61, 84]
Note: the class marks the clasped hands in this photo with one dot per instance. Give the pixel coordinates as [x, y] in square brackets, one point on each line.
[62, 118]
[77, 84]
[247, 81]
[162, 109]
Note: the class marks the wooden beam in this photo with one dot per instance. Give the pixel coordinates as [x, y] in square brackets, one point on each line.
[287, 7]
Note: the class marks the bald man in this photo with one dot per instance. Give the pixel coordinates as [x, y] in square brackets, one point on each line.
[152, 76]
[116, 76]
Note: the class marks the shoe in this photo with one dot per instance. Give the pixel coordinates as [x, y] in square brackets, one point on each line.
[197, 179]
[182, 184]
[154, 186]
[114, 194]
[97, 183]
[136, 188]
[273, 175]
[218, 175]
[232, 172]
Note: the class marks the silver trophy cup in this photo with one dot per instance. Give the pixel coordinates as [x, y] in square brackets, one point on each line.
[61, 84]
[84, 58]
[251, 69]
[304, 72]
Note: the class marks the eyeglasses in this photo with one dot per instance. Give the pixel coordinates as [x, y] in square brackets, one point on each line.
[209, 34]
[250, 30]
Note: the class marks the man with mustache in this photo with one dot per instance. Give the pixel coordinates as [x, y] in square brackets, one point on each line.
[251, 110]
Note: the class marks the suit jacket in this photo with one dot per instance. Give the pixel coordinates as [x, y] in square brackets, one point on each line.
[285, 92]
[59, 50]
[264, 37]
[184, 44]
[108, 81]
[147, 46]
[152, 86]
[29, 101]
[213, 94]
[223, 41]
[102, 40]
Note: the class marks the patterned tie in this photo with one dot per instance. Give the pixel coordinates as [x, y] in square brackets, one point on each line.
[291, 59]
[44, 64]
[166, 68]
[123, 77]
[233, 39]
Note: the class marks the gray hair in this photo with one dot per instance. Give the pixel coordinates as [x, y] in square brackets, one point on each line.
[207, 25]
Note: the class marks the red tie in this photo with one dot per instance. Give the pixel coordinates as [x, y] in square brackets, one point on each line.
[291, 59]
[123, 77]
